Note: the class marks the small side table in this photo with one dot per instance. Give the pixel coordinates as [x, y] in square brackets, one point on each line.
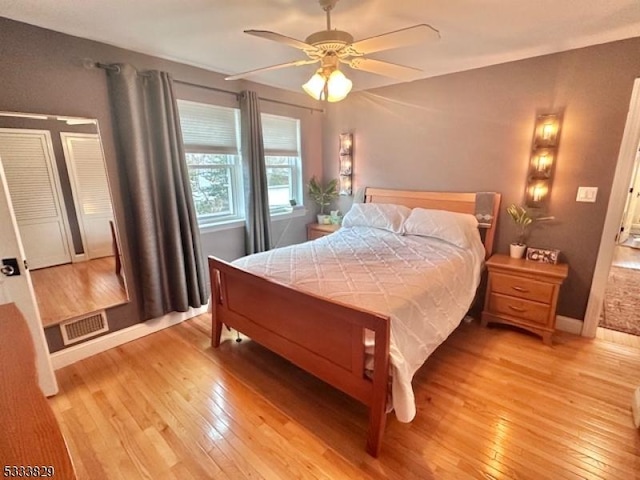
[317, 230]
[523, 293]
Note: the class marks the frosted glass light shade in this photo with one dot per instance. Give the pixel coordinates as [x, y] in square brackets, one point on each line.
[333, 89]
[315, 86]
[339, 86]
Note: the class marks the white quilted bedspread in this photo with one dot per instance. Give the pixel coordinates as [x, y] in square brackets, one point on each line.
[423, 284]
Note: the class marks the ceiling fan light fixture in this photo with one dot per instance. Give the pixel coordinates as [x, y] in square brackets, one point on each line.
[331, 87]
[331, 46]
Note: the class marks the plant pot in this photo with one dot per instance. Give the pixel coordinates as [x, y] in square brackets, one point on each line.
[324, 219]
[516, 250]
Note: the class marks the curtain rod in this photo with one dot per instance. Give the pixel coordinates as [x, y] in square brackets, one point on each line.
[115, 68]
[237, 94]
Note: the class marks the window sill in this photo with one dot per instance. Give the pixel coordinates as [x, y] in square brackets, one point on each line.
[286, 215]
[238, 223]
[221, 226]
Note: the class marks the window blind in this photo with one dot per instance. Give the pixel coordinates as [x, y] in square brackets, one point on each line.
[280, 135]
[208, 128]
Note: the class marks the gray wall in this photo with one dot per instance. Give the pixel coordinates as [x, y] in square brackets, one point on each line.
[42, 72]
[472, 131]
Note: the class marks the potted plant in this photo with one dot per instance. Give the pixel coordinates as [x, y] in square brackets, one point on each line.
[323, 196]
[522, 220]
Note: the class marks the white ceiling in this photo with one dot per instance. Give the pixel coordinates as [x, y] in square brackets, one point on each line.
[209, 33]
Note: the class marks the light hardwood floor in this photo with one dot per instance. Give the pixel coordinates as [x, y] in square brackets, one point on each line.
[492, 403]
[67, 291]
[626, 257]
[618, 337]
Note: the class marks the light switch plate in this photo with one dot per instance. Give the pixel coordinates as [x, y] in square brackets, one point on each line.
[587, 194]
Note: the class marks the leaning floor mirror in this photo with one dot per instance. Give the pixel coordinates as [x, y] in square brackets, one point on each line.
[59, 189]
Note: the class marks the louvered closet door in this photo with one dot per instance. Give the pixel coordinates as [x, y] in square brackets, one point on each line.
[85, 162]
[27, 158]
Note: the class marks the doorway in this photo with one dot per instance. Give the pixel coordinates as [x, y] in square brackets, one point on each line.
[621, 309]
[612, 265]
[630, 226]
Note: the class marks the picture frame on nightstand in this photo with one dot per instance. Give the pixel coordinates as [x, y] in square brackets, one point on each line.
[543, 255]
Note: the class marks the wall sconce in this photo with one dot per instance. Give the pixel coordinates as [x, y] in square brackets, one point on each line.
[346, 163]
[547, 129]
[541, 163]
[543, 157]
[537, 192]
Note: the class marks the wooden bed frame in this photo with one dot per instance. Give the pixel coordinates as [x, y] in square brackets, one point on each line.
[324, 337]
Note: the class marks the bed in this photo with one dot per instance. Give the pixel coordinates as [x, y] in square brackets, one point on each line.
[282, 300]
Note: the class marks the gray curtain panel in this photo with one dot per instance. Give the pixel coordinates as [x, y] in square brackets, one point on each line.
[258, 219]
[161, 225]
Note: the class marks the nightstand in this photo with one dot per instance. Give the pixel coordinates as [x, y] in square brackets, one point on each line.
[317, 230]
[523, 293]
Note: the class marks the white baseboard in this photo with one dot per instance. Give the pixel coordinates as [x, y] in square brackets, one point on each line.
[73, 354]
[569, 325]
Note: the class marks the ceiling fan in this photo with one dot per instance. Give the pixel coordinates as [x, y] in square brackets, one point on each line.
[332, 47]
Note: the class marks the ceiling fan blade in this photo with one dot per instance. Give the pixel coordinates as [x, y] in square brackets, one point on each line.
[276, 37]
[386, 69]
[399, 38]
[296, 63]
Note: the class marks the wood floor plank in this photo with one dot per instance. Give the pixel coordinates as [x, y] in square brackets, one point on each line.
[73, 289]
[492, 404]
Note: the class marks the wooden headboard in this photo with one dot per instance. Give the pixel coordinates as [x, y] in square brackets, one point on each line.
[451, 201]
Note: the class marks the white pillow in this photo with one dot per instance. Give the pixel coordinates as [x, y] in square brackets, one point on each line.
[460, 229]
[378, 215]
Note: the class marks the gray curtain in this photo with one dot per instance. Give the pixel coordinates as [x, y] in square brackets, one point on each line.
[258, 219]
[161, 220]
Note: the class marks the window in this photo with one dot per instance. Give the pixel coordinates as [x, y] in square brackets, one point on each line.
[281, 136]
[210, 135]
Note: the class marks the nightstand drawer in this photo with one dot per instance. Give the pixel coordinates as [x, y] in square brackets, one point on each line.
[317, 230]
[522, 309]
[314, 234]
[521, 287]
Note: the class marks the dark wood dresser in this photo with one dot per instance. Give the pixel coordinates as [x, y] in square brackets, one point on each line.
[31, 443]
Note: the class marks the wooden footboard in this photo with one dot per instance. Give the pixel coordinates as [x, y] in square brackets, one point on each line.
[324, 338]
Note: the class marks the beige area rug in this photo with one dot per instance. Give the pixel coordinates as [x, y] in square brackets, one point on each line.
[621, 310]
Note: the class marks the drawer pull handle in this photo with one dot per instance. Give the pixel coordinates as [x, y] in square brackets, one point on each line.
[517, 309]
[520, 289]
